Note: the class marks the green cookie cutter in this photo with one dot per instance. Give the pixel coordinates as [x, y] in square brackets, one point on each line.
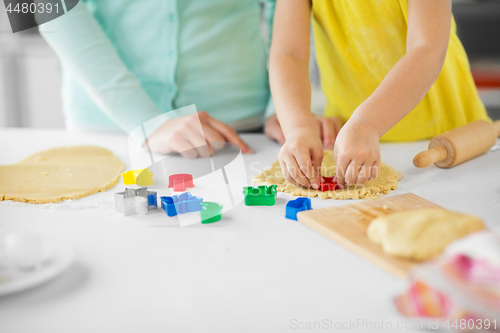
[260, 196]
[210, 212]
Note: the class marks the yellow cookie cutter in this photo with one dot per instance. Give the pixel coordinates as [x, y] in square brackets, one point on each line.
[141, 177]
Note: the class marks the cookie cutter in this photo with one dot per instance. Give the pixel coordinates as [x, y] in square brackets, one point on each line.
[135, 201]
[295, 206]
[181, 204]
[180, 182]
[260, 196]
[141, 177]
[210, 212]
[330, 184]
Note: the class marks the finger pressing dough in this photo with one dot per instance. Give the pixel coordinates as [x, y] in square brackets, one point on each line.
[386, 181]
[60, 174]
[421, 234]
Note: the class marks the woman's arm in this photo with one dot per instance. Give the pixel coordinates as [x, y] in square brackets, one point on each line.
[82, 46]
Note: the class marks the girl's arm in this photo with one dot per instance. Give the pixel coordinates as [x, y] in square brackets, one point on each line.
[410, 79]
[301, 155]
[402, 89]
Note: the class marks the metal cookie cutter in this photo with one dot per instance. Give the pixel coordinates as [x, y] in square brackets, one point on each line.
[135, 201]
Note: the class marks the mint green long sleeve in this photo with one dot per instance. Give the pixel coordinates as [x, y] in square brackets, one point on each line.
[126, 62]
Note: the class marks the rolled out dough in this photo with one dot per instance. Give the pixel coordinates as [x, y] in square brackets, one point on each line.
[386, 181]
[60, 174]
[421, 234]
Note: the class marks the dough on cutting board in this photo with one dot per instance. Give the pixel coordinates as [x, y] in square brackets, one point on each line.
[386, 181]
[421, 234]
[59, 174]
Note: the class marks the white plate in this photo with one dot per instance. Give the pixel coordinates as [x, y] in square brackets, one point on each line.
[59, 256]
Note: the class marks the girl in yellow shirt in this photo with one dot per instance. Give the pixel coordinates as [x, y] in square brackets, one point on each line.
[379, 60]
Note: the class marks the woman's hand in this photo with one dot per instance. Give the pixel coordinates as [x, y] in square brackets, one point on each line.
[301, 156]
[183, 135]
[327, 128]
[357, 152]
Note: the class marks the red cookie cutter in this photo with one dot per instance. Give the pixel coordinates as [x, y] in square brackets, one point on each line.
[180, 182]
[330, 184]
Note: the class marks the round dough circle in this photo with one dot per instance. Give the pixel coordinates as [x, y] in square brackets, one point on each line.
[386, 181]
[60, 174]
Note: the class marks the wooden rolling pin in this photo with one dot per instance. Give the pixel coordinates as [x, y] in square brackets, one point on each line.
[459, 145]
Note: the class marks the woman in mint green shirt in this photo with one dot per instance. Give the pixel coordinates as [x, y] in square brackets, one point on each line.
[127, 62]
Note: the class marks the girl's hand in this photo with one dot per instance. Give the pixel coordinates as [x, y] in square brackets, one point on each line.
[357, 152]
[301, 156]
[327, 127]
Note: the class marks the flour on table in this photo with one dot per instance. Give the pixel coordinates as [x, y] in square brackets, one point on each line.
[67, 205]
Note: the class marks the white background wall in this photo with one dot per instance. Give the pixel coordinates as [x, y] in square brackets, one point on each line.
[3, 106]
[30, 80]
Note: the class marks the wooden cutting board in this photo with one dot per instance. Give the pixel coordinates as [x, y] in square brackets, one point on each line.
[347, 226]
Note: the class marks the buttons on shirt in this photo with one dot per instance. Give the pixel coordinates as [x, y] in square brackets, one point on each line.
[171, 19]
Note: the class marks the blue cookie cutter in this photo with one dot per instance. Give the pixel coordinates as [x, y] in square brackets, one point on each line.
[181, 204]
[152, 199]
[297, 205]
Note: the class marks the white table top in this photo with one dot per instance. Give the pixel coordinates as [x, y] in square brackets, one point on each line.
[254, 271]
